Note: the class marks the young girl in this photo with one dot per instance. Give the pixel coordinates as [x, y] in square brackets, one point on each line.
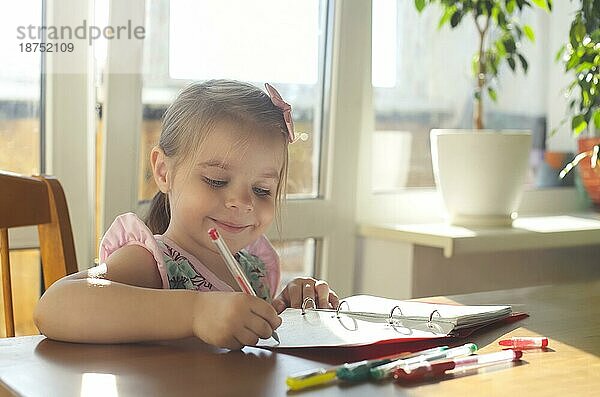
[221, 162]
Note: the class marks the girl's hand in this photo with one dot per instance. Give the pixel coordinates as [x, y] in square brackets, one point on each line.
[232, 319]
[302, 287]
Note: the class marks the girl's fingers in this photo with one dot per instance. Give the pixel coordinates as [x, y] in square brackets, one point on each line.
[266, 312]
[260, 327]
[246, 336]
[322, 291]
[308, 291]
[333, 299]
[295, 293]
[233, 344]
[279, 304]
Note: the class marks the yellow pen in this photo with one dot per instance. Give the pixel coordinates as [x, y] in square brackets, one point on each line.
[310, 378]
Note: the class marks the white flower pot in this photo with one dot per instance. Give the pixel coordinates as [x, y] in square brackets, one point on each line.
[480, 174]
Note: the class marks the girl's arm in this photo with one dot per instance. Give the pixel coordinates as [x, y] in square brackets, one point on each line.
[99, 306]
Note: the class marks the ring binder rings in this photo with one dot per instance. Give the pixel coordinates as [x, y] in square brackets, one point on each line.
[364, 319]
[390, 318]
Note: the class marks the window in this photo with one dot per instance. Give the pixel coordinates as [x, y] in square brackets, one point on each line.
[297, 259]
[20, 94]
[26, 282]
[422, 80]
[259, 33]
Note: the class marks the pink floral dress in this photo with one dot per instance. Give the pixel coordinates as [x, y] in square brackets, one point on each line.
[181, 270]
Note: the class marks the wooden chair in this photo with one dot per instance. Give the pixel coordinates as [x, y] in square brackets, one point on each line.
[29, 201]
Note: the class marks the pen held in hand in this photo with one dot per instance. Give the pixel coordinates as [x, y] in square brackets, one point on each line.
[234, 267]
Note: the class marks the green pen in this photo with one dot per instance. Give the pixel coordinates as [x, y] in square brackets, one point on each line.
[359, 371]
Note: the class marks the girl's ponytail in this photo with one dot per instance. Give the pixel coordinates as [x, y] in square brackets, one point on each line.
[159, 215]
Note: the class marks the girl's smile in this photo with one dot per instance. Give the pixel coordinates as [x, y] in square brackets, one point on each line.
[230, 227]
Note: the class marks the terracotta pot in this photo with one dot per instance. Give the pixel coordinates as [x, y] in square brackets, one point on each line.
[589, 176]
[556, 160]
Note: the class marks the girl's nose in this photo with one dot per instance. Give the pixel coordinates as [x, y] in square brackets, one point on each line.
[240, 201]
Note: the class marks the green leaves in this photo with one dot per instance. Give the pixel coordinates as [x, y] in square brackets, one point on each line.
[448, 12]
[523, 62]
[578, 124]
[492, 94]
[543, 4]
[596, 118]
[512, 63]
[529, 33]
[559, 53]
[455, 18]
[499, 16]
[419, 5]
[581, 57]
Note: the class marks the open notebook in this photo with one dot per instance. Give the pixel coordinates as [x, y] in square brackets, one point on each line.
[365, 320]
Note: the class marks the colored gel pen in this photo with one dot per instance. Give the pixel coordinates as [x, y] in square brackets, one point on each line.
[361, 370]
[310, 378]
[352, 372]
[524, 342]
[234, 267]
[387, 370]
[427, 370]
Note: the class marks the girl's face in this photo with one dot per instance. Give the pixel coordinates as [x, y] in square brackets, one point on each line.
[231, 186]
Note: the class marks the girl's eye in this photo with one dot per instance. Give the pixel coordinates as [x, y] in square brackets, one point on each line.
[261, 192]
[214, 182]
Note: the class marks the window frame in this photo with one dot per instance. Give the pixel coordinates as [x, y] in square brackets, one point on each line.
[67, 135]
[328, 218]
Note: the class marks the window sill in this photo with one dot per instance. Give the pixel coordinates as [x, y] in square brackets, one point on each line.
[555, 231]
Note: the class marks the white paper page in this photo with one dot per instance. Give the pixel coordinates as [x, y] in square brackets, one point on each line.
[316, 328]
[369, 303]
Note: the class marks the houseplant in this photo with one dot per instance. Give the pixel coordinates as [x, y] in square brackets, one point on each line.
[581, 56]
[481, 175]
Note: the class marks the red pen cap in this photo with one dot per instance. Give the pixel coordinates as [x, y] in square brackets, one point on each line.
[212, 232]
[524, 342]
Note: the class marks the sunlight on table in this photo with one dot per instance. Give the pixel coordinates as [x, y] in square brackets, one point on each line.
[548, 224]
[101, 385]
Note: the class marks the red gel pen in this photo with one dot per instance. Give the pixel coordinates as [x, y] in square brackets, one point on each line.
[524, 342]
[426, 370]
[231, 263]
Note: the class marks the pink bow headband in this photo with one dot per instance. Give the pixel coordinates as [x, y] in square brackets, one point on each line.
[285, 107]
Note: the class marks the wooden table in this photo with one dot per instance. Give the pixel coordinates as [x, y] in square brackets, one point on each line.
[568, 314]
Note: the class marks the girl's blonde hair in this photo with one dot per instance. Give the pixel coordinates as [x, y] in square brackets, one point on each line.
[189, 119]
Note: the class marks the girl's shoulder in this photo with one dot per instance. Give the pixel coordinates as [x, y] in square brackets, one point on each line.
[128, 229]
[263, 250]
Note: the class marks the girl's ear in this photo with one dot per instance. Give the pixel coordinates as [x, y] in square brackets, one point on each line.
[160, 169]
